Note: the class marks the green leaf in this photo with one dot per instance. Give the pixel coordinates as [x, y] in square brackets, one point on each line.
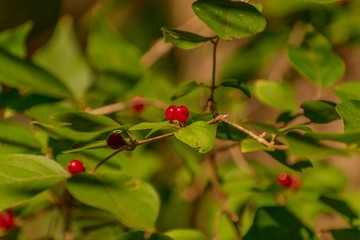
[63, 57]
[230, 19]
[346, 233]
[110, 52]
[281, 157]
[85, 122]
[133, 202]
[238, 84]
[303, 146]
[24, 75]
[251, 145]
[315, 60]
[340, 206]
[322, 1]
[14, 138]
[320, 111]
[185, 234]
[185, 90]
[142, 236]
[350, 113]
[24, 176]
[276, 95]
[153, 125]
[13, 39]
[347, 137]
[274, 223]
[92, 145]
[198, 135]
[228, 132]
[183, 39]
[348, 90]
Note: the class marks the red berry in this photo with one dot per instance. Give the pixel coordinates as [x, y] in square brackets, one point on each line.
[138, 104]
[6, 220]
[76, 166]
[296, 183]
[285, 180]
[115, 141]
[181, 113]
[170, 113]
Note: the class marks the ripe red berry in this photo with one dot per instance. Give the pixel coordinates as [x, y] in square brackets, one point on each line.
[138, 104]
[170, 113]
[6, 219]
[181, 113]
[285, 180]
[115, 141]
[76, 166]
[296, 183]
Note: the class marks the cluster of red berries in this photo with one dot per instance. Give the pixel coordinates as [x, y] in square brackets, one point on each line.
[6, 220]
[288, 181]
[76, 166]
[178, 113]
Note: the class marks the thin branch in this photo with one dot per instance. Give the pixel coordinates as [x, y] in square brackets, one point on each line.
[211, 100]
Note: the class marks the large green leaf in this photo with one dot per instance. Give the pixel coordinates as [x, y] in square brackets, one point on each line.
[275, 223]
[198, 135]
[15, 138]
[230, 19]
[183, 39]
[142, 236]
[134, 202]
[186, 234]
[320, 111]
[24, 75]
[276, 95]
[350, 113]
[24, 176]
[316, 60]
[85, 122]
[340, 206]
[110, 52]
[62, 56]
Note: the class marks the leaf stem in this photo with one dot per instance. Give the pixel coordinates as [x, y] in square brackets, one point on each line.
[211, 100]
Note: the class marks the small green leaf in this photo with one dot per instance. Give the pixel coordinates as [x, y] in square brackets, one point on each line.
[166, 125]
[238, 85]
[348, 90]
[346, 233]
[92, 145]
[24, 75]
[281, 157]
[63, 57]
[276, 95]
[142, 236]
[133, 202]
[274, 223]
[183, 39]
[251, 145]
[230, 19]
[350, 113]
[185, 90]
[185, 234]
[340, 206]
[24, 176]
[13, 39]
[320, 111]
[316, 60]
[227, 132]
[110, 52]
[198, 135]
[85, 122]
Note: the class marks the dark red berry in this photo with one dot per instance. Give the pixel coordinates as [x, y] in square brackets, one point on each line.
[6, 220]
[76, 166]
[115, 141]
[170, 113]
[138, 104]
[285, 180]
[181, 113]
